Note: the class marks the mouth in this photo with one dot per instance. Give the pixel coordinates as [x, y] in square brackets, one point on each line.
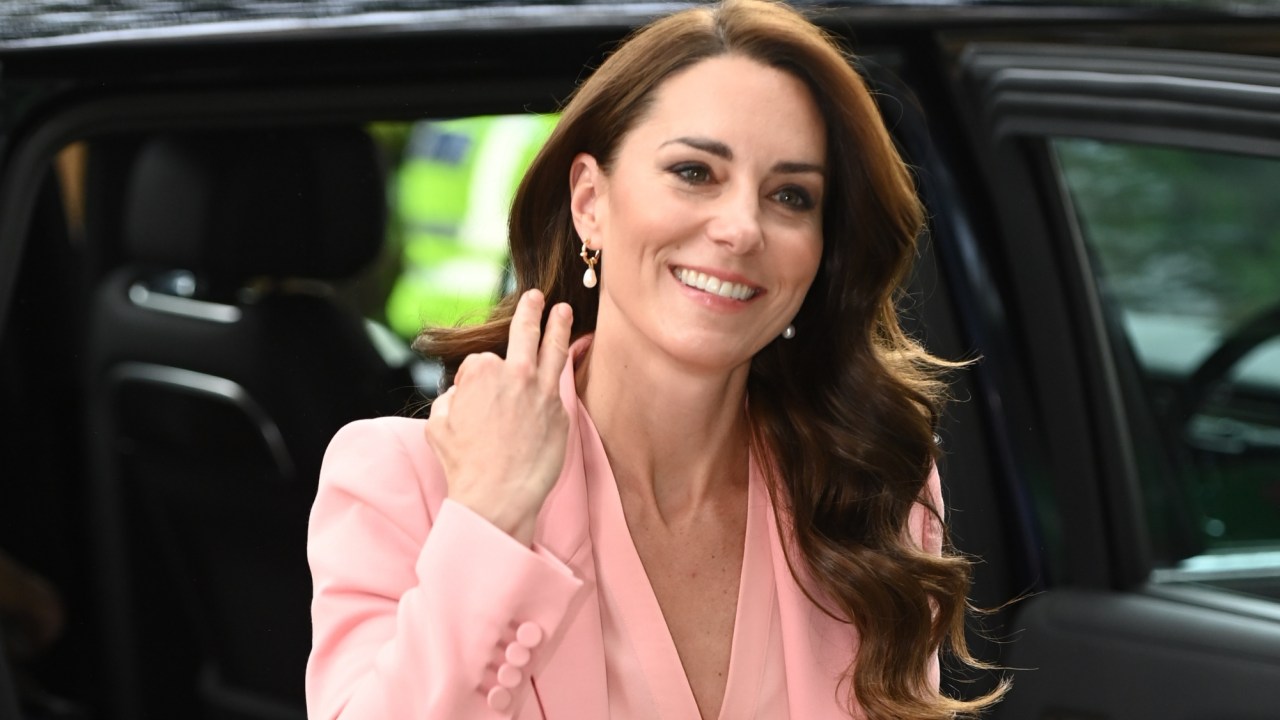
[713, 285]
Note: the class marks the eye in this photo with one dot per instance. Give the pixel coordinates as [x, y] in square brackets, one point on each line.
[692, 173]
[796, 197]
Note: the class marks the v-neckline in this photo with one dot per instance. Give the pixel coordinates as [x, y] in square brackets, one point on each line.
[629, 601]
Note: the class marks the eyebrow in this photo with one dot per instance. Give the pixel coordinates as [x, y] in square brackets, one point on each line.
[715, 147]
[787, 168]
[719, 149]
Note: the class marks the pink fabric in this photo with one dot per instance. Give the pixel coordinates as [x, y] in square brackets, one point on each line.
[645, 678]
[418, 600]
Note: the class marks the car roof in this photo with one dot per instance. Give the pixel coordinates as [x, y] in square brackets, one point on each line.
[45, 24]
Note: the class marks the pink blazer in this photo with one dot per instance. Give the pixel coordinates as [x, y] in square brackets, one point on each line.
[424, 610]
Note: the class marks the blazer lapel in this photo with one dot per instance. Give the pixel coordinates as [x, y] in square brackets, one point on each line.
[571, 684]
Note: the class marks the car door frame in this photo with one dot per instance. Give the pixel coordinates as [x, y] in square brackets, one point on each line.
[1104, 641]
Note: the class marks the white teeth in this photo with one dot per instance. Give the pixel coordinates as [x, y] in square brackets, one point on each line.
[714, 285]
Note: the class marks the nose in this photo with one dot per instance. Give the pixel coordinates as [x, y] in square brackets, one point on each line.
[735, 224]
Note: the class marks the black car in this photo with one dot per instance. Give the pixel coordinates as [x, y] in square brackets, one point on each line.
[221, 222]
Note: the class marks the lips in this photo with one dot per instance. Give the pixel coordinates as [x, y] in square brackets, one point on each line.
[713, 285]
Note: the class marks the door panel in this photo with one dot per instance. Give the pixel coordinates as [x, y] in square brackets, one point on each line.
[1091, 655]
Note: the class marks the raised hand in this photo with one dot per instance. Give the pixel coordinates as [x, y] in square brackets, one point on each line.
[500, 431]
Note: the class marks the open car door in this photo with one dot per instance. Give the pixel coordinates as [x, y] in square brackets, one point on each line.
[1136, 192]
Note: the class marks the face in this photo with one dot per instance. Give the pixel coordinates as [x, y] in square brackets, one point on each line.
[710, 218]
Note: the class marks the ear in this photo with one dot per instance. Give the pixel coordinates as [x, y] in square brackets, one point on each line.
[587, 183]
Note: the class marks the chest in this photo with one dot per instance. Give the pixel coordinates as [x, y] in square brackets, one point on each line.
[695, 576]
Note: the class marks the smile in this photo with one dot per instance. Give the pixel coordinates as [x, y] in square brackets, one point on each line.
[714, 285]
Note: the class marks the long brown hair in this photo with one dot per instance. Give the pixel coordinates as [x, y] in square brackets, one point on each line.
[843, 416]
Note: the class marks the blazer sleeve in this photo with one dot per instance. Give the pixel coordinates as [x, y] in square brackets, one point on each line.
[925, 528]
[421, 608]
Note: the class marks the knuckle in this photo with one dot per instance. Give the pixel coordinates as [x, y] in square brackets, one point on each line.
[476, 364]
[438, 413]
[478, 359]
[436, 420]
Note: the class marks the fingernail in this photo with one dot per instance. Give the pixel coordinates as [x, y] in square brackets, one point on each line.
[565, 310]
[533, 294]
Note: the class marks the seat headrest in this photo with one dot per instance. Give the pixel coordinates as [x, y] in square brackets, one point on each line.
[280, 202]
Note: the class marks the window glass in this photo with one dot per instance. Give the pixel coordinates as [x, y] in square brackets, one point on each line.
[450, 188]
[1185, 248]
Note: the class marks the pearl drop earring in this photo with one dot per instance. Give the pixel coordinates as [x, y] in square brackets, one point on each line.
[788, 332]
[589, 278]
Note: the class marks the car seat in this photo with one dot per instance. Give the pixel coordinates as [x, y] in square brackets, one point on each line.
[220, 364]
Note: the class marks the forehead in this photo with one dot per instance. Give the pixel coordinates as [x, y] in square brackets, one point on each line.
[742, 102]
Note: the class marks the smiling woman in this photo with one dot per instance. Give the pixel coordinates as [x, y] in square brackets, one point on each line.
[701, 487]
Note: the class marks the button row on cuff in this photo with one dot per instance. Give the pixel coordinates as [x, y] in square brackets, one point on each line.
[529, 635]
[518, 655]
[510, 675]
[499, 698]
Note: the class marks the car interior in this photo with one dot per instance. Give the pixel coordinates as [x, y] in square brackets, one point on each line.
[219, 355]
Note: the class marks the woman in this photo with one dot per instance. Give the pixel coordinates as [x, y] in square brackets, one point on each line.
[705, 488]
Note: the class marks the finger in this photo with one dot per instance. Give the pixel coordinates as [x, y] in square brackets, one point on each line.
[440, 406]
[522, 339]
[554, 351]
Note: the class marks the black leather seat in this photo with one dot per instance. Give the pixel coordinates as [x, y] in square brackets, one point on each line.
[220, 365]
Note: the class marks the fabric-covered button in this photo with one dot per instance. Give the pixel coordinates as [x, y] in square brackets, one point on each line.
[529, 635]
[517, 655]
[509, 676]
[499, 698]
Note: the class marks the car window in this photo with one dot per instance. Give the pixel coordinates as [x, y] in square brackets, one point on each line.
[450, 188]
[1185, 251]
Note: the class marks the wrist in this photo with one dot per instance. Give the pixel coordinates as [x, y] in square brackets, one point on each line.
[511, 517]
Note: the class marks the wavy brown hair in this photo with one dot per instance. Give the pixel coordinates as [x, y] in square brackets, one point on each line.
[843, 416]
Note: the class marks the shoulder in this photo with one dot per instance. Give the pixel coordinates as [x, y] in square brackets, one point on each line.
[384, 463]
[382, 444]
[381, 429]
[378, 441]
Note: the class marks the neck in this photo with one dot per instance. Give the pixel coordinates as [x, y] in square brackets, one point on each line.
[676, 437]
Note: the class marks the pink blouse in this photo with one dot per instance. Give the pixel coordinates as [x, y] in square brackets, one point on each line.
[644, 675]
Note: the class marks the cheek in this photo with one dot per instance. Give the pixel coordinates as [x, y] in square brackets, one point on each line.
[654, 211]
[809, 258]
[625, 219]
